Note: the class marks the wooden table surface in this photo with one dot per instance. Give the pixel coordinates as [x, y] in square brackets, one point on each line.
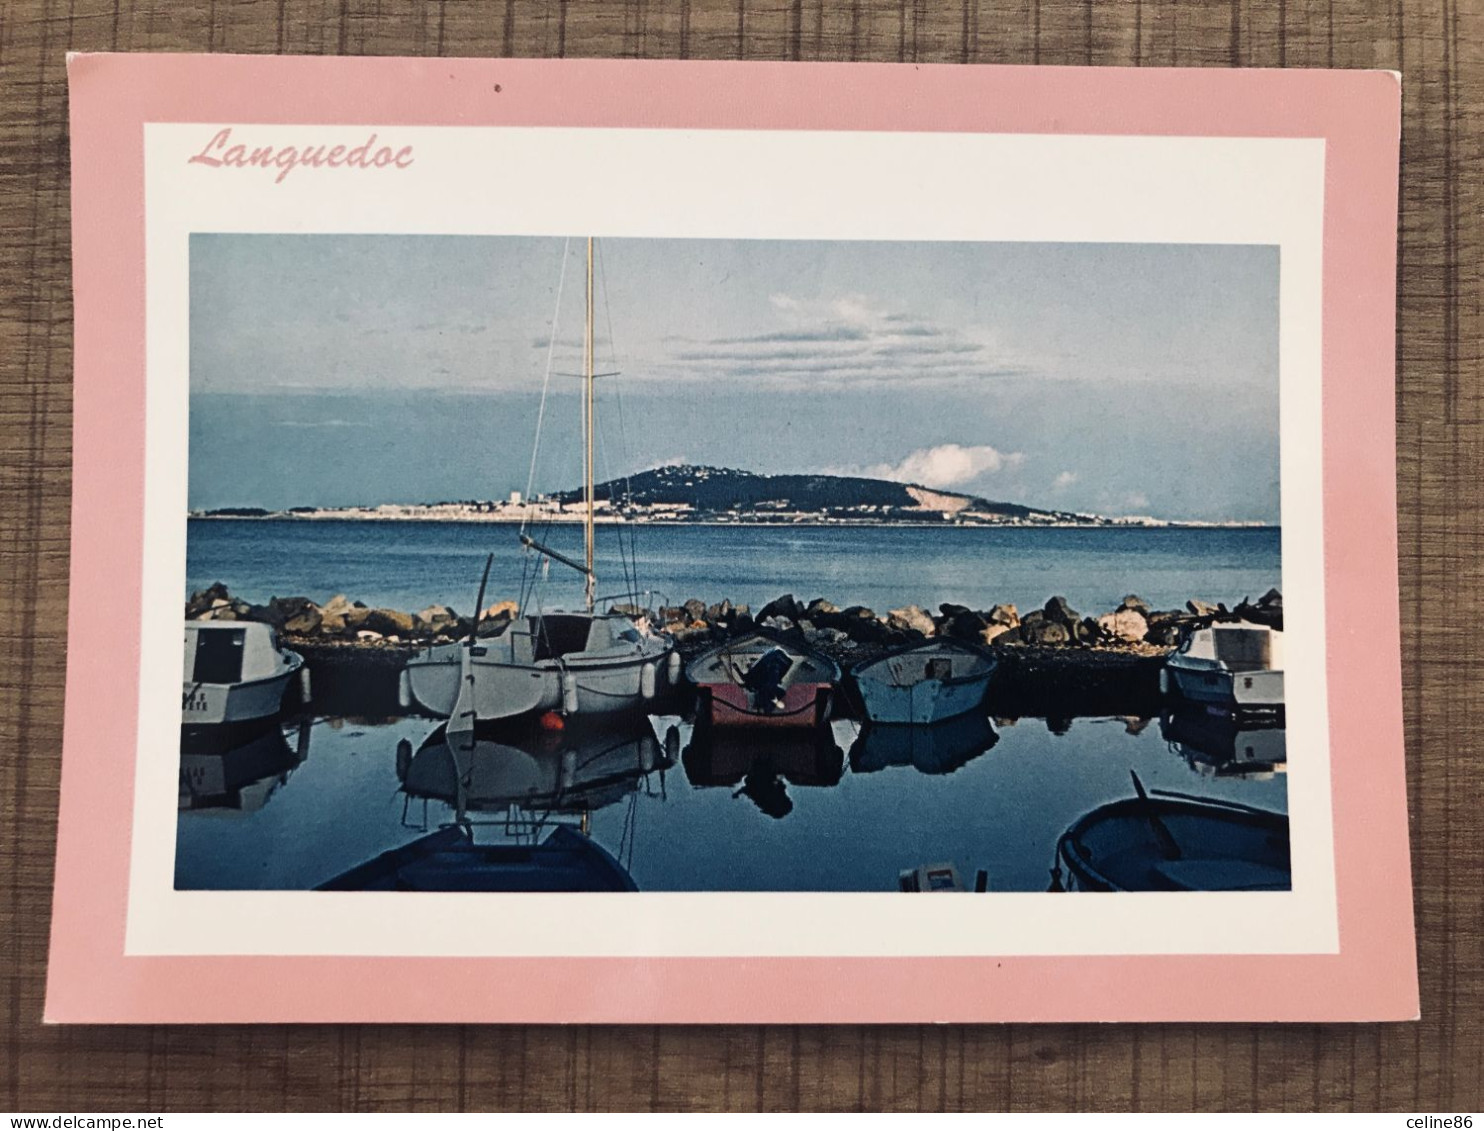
[1434, 1065]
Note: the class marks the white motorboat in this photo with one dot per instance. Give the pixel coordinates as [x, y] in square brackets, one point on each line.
[1236, 664]
[926, 683]
[235, 672]
[578, 663]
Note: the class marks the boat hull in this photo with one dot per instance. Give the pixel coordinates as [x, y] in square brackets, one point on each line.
[804, 705]
[1259, 690]
[923, 703]
[505, 690]
[1168, 844]
[500, 690]
[449, 860]
[214, 704]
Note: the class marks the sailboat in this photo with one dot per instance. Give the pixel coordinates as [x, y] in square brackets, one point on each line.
[578, 663]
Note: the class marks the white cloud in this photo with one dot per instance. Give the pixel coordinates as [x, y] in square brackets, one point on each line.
[848, 340]
[854, 309]
[947, 465]
[1064, 480]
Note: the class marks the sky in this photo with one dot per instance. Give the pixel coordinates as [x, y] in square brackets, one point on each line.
[1107, 378]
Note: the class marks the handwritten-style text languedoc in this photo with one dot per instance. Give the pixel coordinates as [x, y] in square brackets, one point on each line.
[221, 152]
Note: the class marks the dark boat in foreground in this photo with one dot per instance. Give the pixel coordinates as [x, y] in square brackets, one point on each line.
[1159, 841]
[450, 860]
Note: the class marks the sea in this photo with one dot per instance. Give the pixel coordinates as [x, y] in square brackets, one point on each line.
[410, 565]
[990, 798]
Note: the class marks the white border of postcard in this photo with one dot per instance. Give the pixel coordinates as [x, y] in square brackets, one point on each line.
[738, 185]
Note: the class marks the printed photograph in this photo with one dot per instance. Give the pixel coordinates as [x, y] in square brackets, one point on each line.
[576, 563]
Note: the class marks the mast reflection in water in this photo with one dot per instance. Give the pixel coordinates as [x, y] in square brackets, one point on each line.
[688, 811]
[513, 798]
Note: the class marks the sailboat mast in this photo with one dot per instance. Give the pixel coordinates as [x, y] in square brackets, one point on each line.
[589, 408]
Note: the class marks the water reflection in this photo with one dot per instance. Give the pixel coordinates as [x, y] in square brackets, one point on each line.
[937, 749]
[241, 768]
[540, 780]
[761, 765]
[1218, 743]
[977, 794]
[1167, 840]
[570, 771]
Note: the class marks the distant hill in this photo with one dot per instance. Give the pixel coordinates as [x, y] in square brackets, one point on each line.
[706, 491]
[687, 493]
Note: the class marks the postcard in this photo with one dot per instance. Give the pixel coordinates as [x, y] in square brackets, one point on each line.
[709, 542]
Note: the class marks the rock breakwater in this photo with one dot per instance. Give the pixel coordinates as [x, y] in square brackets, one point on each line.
[850, 634]
[1053, 660]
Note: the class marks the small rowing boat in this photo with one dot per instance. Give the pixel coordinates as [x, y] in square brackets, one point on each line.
[763, 679]
[925, 683]
[1160, 841]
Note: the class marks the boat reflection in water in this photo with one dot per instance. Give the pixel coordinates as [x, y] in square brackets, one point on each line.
[761, 765]
[535, 791]
[238, 769]
[1162, 841]
[570, 771]
[1222, 744]
[937, 749]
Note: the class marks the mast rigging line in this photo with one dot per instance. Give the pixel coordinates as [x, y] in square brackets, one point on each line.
[629, 560]
[595, 448]
[590, 427]
[546, 381]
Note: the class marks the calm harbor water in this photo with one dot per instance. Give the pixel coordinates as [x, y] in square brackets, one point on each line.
[302, 803]
[411, 565]
[770, 816]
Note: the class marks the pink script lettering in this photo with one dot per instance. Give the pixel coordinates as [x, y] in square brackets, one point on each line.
[222, 153]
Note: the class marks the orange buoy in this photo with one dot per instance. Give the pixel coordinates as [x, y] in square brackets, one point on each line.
[551, 720]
